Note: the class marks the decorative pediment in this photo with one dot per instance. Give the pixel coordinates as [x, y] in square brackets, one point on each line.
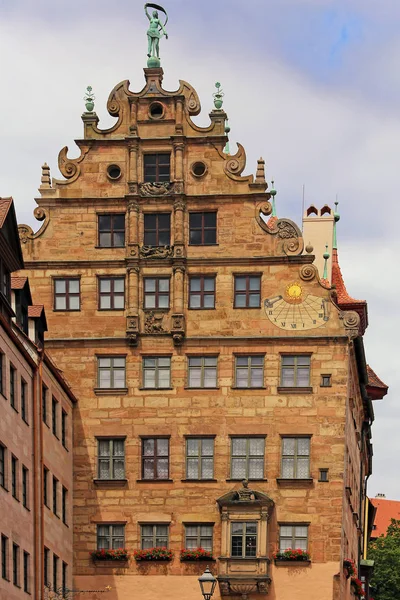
[245, 495]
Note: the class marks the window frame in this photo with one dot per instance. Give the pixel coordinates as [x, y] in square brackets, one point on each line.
[155, 457]
[26, 569]
[158, 230]
[55, 495]
[156, 370]
[202, 292]
[293, 536]
[202, 368]
[244, 535]
[64, 577]
[3, 466]
[46, 473]
[199, 457]
[148, 178]
[64, 504]
[24, 401]
[13, 387]
[249, 367]
[199, 536]
[247, 292]
[54, 414]
[112, 231]
[15, 564]
[55, 571]
[247, 456]
[154, 535]
[111, 369]
[203, 228]
[64, 429]
[156, 294]
[111, 458]
[112, 294]
[295, 368]
[25, 487]
[45, 390]
[296, 456]
[14, 477]
[67, 294]
[2, 373]
[4, 556]
[111, 535]
[46, 561]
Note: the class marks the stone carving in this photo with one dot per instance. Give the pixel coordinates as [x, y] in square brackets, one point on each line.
[263, 586]
[180, 251]
[245, 494]
[26, 232]
[224, 588]
[287, 232]
[133, 323]
[243, 589]
[133, 187]
[177, 338]
[155, 189]
[179, 204]
[133, 206]
[308, 272]
[234, 165]
[351, 321]
[178, 328]
[70, 168]
[153, 323]
[156, 251]
[178, 322]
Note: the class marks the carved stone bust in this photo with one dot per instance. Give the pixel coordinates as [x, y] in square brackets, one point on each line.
[245, 494]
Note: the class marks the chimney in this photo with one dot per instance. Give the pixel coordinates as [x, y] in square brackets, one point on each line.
[380, 496]
[318, 231]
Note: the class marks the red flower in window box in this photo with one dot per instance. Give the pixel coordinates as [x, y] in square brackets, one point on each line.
[357, 587]
[296, 554]
[195, 554]
[112, 554]
[154, 554]
[349, 567]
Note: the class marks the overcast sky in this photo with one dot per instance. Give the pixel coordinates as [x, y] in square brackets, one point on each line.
[311, 85]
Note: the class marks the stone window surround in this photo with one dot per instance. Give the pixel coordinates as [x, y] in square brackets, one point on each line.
[249, 356]
[112, 294]
[247, 292]
[240, 514]
[202, 292]
[67, 293]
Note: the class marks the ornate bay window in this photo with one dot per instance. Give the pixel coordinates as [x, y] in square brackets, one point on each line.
[244, 564]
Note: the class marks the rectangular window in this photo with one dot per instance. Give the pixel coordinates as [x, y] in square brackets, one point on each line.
[157, 372]
[293, 536]
[154, 536]
[111, 231]
[46, 570]
[55, 571]
[3, 463]
[13, 391]
[111, 459]
[156, 292]
[110, 537]
[295, 371]
[202, 228]
[295, 458]
[24, 400]
[14, 477]
[44, 404]
[4, 557]
[26, 572]
[111, 293]
[2, 373]
[111, 372]
[199, 458]
[199, 536]
[64, 498]
[54, 420]
[157, 167]
[155, 458]
[25, 487]
[46, 486]
[244, 539]
[247, 291]
[67, 294]
[64, 577]
[247, 458]
[157, 229]
[249, 371]
[202, 292]
[55, 495]
[64, 419]
[15, 560]
[202, 371]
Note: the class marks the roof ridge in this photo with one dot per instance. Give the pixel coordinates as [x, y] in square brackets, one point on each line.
[343, 296]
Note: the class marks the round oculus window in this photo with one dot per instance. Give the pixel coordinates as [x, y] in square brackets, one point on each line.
[156, 110]
[114, 171]
[199, 169]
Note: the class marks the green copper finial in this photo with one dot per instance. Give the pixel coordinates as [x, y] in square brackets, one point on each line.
[326, 256]
[273, 193]
[227, 130]
[218, 95]
[154, 33]
[336, 218]
[89, 98]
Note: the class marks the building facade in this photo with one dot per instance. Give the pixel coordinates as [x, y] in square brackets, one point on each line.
[222, 381]
[35, 439]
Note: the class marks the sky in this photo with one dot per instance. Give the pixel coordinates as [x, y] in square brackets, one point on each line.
[310, 85]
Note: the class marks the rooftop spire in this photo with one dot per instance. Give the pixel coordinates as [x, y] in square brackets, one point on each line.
[336, 218]
[326, 256]
[273, 193]
[89, 99]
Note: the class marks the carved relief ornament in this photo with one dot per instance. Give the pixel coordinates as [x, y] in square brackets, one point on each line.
[156, 251]
[26, 232]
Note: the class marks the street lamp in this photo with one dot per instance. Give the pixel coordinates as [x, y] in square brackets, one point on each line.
[207, 583]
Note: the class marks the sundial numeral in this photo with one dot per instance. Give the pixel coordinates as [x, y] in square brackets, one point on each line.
[294, 326]
[320, 315]
[283, 323]
[270, 312]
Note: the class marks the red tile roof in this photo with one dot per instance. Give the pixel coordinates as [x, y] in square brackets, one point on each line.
[35, 311]
[5, 204]
[17, 282]
[337, 280]
[376, 388]
[385, 510]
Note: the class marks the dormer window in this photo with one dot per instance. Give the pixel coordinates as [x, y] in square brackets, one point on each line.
[157, 168]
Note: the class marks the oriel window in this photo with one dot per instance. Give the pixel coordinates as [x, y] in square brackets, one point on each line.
[67, 294]
[157, 168]
[156, 292]
[202, 292]
[247, 291]
[157, 229]
[111, 293]
[111, 458]
[244, 539]
[111, 230]
[295, 371]
[199, 458]
[202, 228]
[155, 458]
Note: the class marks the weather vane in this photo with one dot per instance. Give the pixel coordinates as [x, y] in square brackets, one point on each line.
[155, 31]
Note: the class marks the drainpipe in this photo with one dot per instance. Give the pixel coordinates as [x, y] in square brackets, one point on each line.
[38, 509]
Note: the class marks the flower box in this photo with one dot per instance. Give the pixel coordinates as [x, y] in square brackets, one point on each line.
[195, 554]
[357, 587]
[153, 554]
[290, 555]
[349, 567]
[116, 555]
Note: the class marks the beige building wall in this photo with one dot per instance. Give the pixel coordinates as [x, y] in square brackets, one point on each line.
[318, 231]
